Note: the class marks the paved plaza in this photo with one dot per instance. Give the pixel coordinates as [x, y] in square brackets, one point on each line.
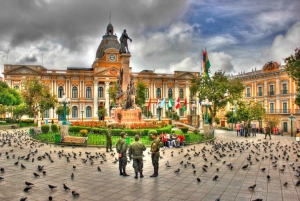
[232, 183]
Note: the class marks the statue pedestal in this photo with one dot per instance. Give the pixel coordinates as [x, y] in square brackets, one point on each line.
[126, 116]
[64, 131]
[206, 130]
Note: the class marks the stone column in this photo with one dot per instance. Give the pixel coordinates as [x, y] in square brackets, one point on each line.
[126, 71]
[176, 91]
[265, 87]
[95, 94]
[107, 103]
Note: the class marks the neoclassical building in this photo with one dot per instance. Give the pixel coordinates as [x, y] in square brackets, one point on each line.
[87, 87]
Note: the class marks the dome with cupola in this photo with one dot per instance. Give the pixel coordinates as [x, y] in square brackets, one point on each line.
[109, 40]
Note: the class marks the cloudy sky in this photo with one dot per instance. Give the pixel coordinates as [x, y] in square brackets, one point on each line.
[168, 35]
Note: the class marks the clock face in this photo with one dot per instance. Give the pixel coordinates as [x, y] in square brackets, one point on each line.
[112, 57]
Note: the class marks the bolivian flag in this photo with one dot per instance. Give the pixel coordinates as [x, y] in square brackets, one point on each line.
[206, 63]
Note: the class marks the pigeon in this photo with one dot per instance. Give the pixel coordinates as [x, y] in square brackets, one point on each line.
[36, 174]
[74, 193]
[204, 169]
[252, 187]
[282, 170]
[51, 186]
[66, 187]
[268, 177]
[285, 184]
[297, 183]
[215, 178]
[263, 169]
[198, 179]
[245, 167]
[23, 166]
[99, 169]
[1, 178]
[72, 175]
[23, 199]
[28, 183]
[27, 188]
[258, 199]
[177, 171]
[50, 198]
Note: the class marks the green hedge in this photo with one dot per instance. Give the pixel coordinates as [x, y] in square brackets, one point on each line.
[54, 128]
[45, 128]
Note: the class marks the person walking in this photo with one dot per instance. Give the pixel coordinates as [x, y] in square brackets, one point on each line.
[242, 129]
[253, 129]
[108, 139]
[136, 153]
[122, 150]
[268, 132]
[155, 146]
[237, 127]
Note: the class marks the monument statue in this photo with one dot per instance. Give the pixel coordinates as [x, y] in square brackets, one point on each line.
[123, 40]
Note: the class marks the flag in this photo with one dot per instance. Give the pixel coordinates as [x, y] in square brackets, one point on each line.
[149, 104]
[185, 103]
[206, 63]
[170, 103]
[183, 107]
[157, 101]
[177, 103]
[162, 103]
[200, 102]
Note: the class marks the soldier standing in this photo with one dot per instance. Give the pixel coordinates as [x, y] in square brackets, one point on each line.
[108, 139]
[136, 153]
[122, 150]
[155, 154]
[268, 132]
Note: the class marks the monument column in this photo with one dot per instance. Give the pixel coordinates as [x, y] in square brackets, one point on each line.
[107, 98]
[126, 71]
[95, 116]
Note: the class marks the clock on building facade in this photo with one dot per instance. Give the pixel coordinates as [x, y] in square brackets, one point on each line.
[112, 57]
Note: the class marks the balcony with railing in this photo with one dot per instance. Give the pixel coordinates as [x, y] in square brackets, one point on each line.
[271, 93]
[285, 91]
[278, 111]
[260, 93]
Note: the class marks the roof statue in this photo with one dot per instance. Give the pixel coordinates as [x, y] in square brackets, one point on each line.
[123, 40]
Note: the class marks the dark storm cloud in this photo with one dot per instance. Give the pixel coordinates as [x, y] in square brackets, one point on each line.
[29, 59]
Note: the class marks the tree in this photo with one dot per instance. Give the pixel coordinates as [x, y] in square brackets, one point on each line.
[37, 96]
[249, 110]
[2, 109]
[293, 70]
[21, 110]
[272, 120]
[9, 96]
[219, 89]
[141, 94]
[102, 113]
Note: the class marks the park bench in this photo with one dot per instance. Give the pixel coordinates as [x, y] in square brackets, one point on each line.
[75, 140]
[15, 126]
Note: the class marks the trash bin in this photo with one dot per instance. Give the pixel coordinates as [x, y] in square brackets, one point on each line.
[187, 138]
[31, 131]
[57, 138]
[127, 140]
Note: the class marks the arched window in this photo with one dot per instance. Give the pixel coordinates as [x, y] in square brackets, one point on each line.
[74, 92]
[17, 87]
[88, 111]
[181, 94]
[88, 92]
[170, 93]
[147, 93]
[74, 112]
[158, 92]
[100, 92]
[60, 92]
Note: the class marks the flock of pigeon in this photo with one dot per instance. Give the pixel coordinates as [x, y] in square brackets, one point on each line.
[199, 160]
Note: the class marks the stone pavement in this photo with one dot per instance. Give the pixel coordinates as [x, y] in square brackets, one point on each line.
[93, 185]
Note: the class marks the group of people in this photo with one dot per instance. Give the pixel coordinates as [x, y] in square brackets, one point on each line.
[172, 140]
[246, 129]
[135, 153]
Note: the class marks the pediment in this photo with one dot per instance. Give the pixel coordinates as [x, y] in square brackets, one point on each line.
[108, 72]
[184, 75]
[22, 70]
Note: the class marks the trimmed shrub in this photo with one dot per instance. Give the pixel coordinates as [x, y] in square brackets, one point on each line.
[184, 129]
[54, 128]
[196, 131]
[45, 128]
[83, 132]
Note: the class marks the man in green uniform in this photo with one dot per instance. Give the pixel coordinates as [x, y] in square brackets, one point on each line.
[136, 153]
[155, 154]
[108, 139]
[122, 150]
[268, 132]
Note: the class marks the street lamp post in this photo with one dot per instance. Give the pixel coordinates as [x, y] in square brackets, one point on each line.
[64, 100]
[292, 119]
[82, 115]
[159, 109]
[207, 104]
